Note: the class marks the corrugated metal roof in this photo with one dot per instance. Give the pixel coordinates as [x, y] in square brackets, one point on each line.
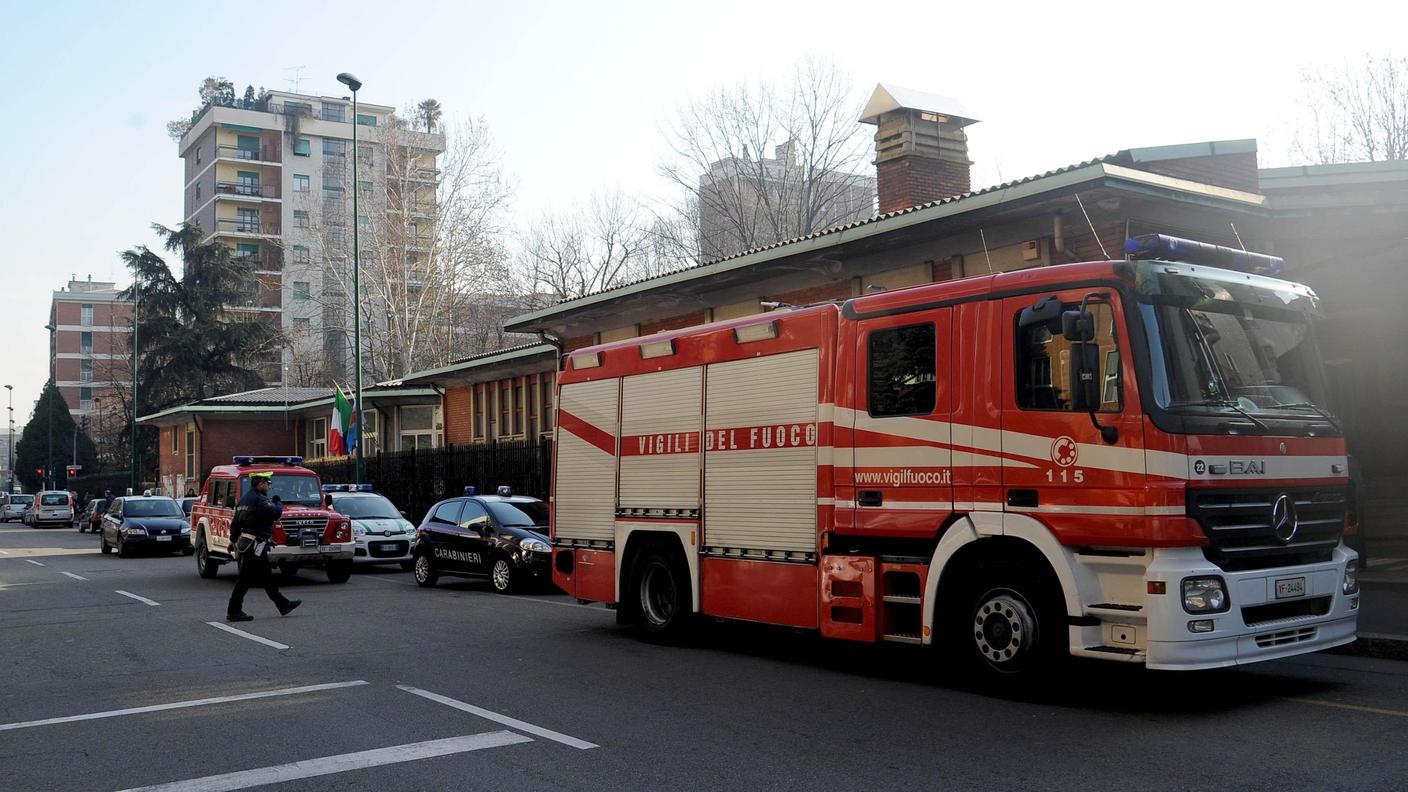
[270, 396]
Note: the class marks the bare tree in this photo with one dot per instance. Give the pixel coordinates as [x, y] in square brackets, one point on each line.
[1356, 112]
[430, 230]
[600, 245]
[738, 197]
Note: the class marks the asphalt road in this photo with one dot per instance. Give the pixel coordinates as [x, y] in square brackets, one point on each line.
[459, 688]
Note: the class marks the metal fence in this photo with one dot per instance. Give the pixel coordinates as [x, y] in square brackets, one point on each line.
[415, 480]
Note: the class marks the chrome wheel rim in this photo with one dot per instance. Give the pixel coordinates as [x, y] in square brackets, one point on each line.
[422, 569]
[501, 574]
[657, 595]
[1004, 627]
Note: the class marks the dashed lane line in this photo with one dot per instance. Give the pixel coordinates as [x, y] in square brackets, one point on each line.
[251, 636]
[32, 561]
[293, 691]
[341, 763]
[513, 723]
[136, 597]
[75, 577]
[1352, 707]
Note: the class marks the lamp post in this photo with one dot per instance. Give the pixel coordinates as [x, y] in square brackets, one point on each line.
[53, 377]
[355, 85]
[136, 301]
[10, 464]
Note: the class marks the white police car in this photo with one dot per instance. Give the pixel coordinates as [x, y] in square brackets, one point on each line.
[382, 533]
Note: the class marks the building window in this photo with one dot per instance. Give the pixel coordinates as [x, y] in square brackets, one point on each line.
[247, 251]
[175, 441]
[547, 402]
[366, 187]
[198, 155]
[417, 427]
[298, 108]
[902, 371]
[301, 183]
[300, 218]
[332, 182]
[197, 191]
[478, 393]
[190, 454]
[334, 112]
[530, 406]
[302, 322]
[338, 233]
[302, 148]
[505, 408]
[247, 147]
[86, 313]
[366, 120]
[332, 147]
[301, 255]
[301, 290]
[318, 438]
[247, 220]
[368, 439]
[85, 342]
[85, 398]
[85, 371]
[518, 406]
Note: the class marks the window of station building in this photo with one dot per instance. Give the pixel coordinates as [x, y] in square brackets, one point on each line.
[546, 387]
[505, 421]
[902, 365]
[366, 120]
[301, 183]
[302, 291]
[369, 437]
[1044, 361]
[478, 394]
[318, 438]
[175, 441]
[518, 406]
[86, 315]
[190, 454]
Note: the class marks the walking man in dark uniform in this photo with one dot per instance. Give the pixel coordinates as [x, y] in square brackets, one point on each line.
[252, 531]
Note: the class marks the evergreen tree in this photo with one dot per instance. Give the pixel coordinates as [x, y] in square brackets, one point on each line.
[32, 448]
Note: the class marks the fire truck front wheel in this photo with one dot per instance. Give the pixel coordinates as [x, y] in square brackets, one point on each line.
[662, 591]
[1010, 622]
[205, 567]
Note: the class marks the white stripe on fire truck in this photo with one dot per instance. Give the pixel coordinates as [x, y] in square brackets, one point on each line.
[1077, 508]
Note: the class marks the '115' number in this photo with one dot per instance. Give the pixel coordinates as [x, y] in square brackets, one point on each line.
[1066, 476]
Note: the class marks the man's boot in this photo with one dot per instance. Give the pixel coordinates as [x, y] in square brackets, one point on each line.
[239, 617]
[288, 606]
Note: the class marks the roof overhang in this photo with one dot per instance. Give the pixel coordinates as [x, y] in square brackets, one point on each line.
[372, 397]
[684, 290]
[492, 366]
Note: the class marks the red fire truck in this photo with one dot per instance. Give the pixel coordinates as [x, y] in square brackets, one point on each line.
[1129, 460]
[310, 532]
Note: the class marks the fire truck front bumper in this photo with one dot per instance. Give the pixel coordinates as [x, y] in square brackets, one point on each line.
[1265, 613]
[310, 556]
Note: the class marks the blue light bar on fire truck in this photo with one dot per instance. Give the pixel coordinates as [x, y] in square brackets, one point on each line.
[1171, 248]
[268, 460]
[348, 488]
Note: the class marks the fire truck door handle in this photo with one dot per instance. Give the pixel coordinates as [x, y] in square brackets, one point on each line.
[1021, 497]
[870, 498]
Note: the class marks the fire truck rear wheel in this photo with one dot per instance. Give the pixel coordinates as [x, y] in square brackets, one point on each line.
[205, 567]
[663, 596]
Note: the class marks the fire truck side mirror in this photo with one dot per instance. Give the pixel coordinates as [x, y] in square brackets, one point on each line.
[327, 500]
[1085, 363]
[1045, 311]
[1078, 326]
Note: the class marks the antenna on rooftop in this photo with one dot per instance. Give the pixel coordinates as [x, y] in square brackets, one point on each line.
[297, 76]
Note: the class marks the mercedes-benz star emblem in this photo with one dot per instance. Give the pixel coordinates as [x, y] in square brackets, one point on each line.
[1284, 522]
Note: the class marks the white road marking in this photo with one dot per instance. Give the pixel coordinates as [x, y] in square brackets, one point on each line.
[294, 691]
[251, 636]
[75, 577]
[139, 599]
[32, 561]
[342, 763]
[385, 580]
[558, 604]
[514, 723]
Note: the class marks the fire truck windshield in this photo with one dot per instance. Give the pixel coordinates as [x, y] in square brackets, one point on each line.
[293, 489]
[1222, 346]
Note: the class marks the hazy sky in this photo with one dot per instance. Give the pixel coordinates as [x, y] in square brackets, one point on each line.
[575, 93]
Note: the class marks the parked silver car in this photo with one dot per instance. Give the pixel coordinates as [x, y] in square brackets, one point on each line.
[14, 506]
[51, 507]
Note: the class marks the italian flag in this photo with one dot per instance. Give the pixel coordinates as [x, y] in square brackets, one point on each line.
[342, 431]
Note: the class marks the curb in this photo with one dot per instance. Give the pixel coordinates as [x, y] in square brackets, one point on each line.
[1380, 646]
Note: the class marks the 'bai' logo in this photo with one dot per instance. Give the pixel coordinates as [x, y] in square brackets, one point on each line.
[1064, 451]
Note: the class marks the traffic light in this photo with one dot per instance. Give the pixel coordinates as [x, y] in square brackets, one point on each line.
[39, 471]
[72, 471]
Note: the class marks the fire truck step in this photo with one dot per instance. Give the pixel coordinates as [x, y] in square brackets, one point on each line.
[904, 639]
[902, 599]
[1115, 606]
[1120, 650]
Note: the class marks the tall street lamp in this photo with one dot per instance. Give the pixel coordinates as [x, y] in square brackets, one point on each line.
[136, 301]
[54, 378]
[355, 85]
[10, 465]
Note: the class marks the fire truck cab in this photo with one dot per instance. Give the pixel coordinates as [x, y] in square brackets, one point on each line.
[310, 532]
[1129, 460]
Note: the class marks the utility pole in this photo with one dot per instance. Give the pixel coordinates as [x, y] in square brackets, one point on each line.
[136, 301]
[355, 84]
[53, 378]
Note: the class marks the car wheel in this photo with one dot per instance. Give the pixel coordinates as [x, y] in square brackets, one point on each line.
[107, 549]
[205, 567]
[122, 550]
[425, 571]
[407, 566]
[501, 575]
[663, 595]
[339, 571]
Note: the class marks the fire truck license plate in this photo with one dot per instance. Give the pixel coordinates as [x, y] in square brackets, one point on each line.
[1290, 587]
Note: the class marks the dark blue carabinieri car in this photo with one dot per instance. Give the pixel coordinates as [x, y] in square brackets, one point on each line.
[145, 522]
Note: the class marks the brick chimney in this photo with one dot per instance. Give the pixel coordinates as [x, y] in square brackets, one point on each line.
[921, 150]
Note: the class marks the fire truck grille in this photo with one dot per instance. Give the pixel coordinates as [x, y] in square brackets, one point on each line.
[300, 529]
[1241, 533]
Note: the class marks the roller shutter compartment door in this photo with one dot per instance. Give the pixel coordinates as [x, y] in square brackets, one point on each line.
[660, 420]
[584, 501]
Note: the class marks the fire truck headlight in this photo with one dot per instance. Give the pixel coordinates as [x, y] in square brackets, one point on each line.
[1351, 577]
[1204, 595]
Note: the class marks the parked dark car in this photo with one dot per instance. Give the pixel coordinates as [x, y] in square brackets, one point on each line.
[145, 522]
[502, 537]
[91, 518]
